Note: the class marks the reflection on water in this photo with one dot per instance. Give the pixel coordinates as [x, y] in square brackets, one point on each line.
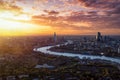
[46, 50]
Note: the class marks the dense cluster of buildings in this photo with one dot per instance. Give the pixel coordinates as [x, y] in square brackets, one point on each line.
[101, 45]
[46, 67]
[107, 42]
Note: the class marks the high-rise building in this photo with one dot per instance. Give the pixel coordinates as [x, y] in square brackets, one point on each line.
[55, 37]
[99, 37]
[118, 49]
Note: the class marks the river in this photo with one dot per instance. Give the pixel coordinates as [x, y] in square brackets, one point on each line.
[46, 50]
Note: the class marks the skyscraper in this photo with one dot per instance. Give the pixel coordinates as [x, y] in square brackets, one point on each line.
[119, 49]
[99, 37]
[55, 37]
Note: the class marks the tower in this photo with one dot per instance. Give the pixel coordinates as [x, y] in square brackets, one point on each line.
[118, 49]
[55, 37]
[98, 37]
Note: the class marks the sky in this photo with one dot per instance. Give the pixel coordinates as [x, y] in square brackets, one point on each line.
[65, 17]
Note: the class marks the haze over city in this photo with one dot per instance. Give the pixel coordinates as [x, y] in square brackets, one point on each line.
[59, 39]
[66, 17]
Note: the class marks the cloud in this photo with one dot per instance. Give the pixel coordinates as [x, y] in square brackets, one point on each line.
[87, 15]
[104, 6]
[8, 6]
[51, 12]
[93, 21]
[60, 22]
[107, 4]
[110, 6]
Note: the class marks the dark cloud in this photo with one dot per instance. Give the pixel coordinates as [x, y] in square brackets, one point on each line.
[44, 17]
[100, 15]
[110, 6]
[97, 22]
[105, 4]
[51, 12]
[58, 22]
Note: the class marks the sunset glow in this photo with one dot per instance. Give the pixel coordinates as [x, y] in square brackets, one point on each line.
[16, 28]
[43, 17]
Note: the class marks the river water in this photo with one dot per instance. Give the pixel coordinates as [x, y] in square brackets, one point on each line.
[46, 50]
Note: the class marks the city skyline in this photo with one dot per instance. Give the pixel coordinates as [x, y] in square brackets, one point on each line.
[66, 17]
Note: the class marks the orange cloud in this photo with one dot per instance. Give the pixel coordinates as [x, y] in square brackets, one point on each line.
[11, 7]
[75, 16]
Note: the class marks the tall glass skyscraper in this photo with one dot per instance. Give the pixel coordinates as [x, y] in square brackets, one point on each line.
[98, 37]
[55, 37]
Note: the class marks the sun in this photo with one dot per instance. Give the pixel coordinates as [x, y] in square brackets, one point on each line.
[11, 24]
[17, 25]
[10, 21]
[8, 27]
